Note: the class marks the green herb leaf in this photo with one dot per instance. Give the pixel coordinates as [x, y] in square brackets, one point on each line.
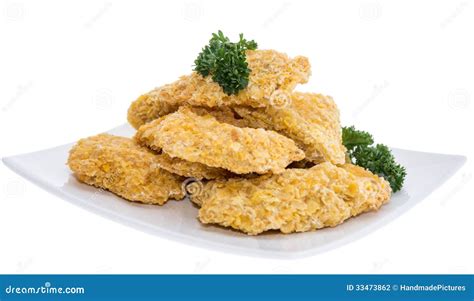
[352, 138]
[225, 62]
[378, 159]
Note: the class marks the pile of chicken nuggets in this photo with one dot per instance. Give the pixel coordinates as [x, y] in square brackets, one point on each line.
[267, 158]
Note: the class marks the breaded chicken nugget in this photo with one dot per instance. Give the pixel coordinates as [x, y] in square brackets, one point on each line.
[203, 139]
[272, 73]
[225, 115]
[311, 120]
[147, 108]
[296, 200]
[191, 169]
[121, 166]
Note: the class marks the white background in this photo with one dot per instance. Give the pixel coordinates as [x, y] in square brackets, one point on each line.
[403, 70]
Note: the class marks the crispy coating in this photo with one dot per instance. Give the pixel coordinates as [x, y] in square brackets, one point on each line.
[272, 73]
[224, 115]
[121, 166]
[311, 120]
[191, 169]
[147, 108]
[297, 200]
[203, 139]
[194, 169]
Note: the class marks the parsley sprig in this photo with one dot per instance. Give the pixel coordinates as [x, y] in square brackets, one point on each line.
[376, 158]
[225, 62]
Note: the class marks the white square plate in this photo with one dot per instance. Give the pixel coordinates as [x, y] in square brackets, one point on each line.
[178, 220]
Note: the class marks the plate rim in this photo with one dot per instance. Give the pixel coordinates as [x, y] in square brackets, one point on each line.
[195, 241]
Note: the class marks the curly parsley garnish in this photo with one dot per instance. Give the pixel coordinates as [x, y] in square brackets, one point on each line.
[225, 62]
[376, 158]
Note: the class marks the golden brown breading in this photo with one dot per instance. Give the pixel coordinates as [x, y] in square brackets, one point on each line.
[147, 108]
[120, 165]
[311, 120]
[297, 200]
[203, 139]
[272, 72]
[223, 114]
[191, 169]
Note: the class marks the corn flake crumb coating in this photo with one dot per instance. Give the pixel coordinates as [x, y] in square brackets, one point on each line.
[297, 200]
[311, 120]
[147, 108]
[272, 73]
[224, 115]
[203, 139]
[191, 169]
[121, 166]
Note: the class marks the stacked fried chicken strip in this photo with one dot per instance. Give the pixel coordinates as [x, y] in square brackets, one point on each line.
[297, 200]
[205, 140]
[273, 74]
[269, 158]
[125, 168]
